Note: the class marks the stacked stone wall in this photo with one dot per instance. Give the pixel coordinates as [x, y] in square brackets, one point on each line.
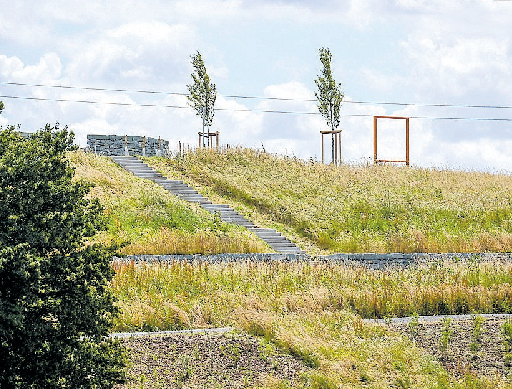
[127, 145]
[370, 260]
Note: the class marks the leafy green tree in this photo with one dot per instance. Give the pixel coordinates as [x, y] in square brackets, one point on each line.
[56, 308]
[1, 106]
[330, 94]
[202, 93]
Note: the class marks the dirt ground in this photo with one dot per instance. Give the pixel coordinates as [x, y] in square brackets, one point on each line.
[462, 346]
[234, 360]
[229, 360]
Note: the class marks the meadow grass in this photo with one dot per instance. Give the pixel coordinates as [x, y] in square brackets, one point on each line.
[356, 208]
[144, 218]
[314, 311]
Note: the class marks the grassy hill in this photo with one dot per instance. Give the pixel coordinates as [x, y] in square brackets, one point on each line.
[146, 219]
[322, 208]
[356, 208]
[313, 311]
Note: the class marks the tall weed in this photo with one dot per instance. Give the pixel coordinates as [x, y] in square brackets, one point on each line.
[357, 208]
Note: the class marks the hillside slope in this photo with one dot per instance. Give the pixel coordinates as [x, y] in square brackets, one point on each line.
[356, 208]
[146, 219]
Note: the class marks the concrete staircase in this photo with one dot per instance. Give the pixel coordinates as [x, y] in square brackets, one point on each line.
[227, 214]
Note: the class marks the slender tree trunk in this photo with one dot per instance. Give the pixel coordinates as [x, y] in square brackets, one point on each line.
[333, 147]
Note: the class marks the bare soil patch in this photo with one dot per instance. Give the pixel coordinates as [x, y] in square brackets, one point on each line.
[238, 360]
[206, 360]
[460, 347]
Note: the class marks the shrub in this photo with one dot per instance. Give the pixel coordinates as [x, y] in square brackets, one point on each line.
[56, 309]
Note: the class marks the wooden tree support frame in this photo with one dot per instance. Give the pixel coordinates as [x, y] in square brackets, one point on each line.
[209, 137]
[375, 158]
[336, 146]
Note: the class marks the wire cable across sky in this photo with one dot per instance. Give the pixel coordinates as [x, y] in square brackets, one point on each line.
[154, 92]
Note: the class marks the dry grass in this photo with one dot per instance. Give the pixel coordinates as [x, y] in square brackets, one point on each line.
[314, 310]
[146, 219]
[357, 208]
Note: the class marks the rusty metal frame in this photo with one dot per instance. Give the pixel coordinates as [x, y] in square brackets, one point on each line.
[375, 159]
[337, 145]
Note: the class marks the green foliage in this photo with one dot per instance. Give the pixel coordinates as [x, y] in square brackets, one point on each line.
[144, 218]
[475, 345]
[446, 334]
[56, 309]
[203, 93]
[329, 93]
[1, 106]
[313, 310]
[506, 331]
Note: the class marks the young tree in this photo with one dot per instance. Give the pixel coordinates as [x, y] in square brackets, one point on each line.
[330, 94]
[56, 308]
[202, 93]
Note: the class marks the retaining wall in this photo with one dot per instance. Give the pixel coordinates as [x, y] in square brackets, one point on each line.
[127, 145]
[371, 260]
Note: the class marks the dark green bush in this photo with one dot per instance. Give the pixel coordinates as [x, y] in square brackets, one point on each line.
[55, 305]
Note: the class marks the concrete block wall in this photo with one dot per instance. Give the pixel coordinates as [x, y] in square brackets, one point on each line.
[121, 144]
[370, 260]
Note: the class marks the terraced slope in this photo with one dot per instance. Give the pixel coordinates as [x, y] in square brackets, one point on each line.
[144, 218]
[227, 214]
[356, 208]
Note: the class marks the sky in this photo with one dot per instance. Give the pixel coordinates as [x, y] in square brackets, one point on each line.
[420, 53]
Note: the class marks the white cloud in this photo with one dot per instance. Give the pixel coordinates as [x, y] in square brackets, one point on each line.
[48, 68]
[138, 52]
[455, 52]
[459, 67]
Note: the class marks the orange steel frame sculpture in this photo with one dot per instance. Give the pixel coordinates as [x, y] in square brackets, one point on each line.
[375, 119]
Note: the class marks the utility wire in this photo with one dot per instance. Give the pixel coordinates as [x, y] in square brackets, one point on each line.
[259, 97]
[150, 105]
[238, 110]
[243, 97]
[93, 88]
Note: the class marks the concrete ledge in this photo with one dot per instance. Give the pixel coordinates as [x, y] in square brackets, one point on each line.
[371, 260]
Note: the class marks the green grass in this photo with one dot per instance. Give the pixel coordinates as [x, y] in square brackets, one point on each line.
[146, 219]
[356, 208]
[311, 310]
[314, 311]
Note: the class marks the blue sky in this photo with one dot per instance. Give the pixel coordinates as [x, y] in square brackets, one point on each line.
[412, 51]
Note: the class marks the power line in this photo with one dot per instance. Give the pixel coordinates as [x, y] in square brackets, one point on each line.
[93, 88]
[150, 105]
[243, 97]
[437, 105]
[88, 101]
[237, 110]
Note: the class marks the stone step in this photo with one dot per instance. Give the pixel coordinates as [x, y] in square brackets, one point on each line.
[273, 238]
[190, 196]
[131, 162]
[246, 225]
[229, 213]
[124, 158]
[147, 174]
[200, 201]
[176, 186]
[220, 206]
[185, 193]
[169, 181]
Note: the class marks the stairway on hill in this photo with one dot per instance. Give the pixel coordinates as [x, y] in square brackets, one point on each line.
[227, 214]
